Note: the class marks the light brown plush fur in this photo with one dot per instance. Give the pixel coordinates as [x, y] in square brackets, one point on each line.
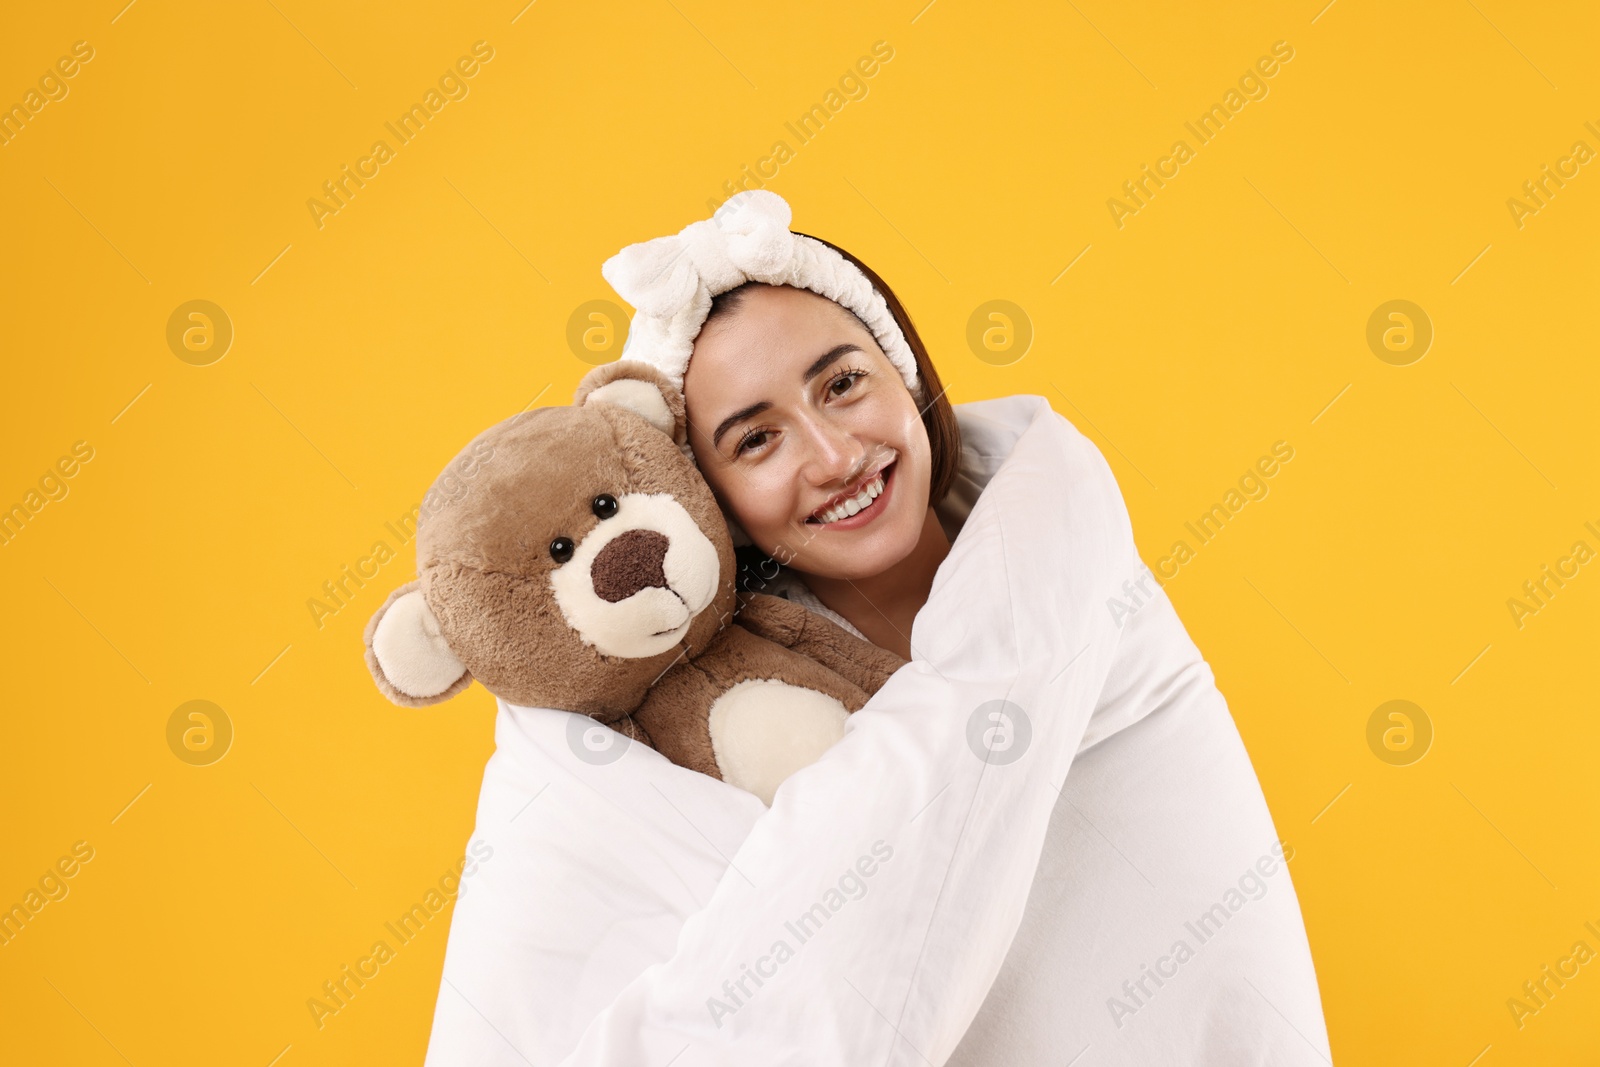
[485, 568]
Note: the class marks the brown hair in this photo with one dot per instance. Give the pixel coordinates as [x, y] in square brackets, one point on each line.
[944, 433]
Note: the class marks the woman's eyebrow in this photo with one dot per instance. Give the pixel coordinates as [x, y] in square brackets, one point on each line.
[828, 357]
[738, 417]
[820, 364]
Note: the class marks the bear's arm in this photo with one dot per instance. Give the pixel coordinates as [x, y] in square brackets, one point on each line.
[789, 624]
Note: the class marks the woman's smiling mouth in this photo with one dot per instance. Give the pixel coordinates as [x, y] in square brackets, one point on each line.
[858, 510]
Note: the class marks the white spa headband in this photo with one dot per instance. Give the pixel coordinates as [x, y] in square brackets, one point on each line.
[670, 282]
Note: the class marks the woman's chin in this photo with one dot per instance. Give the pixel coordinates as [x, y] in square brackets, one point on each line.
[857, 554]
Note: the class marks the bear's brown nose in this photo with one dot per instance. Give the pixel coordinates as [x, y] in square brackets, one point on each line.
[628, 563]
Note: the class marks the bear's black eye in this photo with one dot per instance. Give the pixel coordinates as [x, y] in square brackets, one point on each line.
[561, 549]
[605, 505]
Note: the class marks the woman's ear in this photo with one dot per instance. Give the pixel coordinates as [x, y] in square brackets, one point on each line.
[407, 652]
[643, 390]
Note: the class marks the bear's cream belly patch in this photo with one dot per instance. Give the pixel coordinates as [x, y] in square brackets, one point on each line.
[763, 730]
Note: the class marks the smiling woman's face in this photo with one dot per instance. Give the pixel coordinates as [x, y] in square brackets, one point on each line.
[793, 407]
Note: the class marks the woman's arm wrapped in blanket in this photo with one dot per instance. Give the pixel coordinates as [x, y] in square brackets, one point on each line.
[865, 916]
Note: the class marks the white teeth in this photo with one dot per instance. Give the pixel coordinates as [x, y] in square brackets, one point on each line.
[868, 494]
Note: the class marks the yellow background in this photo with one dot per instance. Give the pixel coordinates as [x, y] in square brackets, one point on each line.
[1224, 316]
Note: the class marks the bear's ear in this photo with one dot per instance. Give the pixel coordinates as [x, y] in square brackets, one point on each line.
[643, 390]
[407, 653]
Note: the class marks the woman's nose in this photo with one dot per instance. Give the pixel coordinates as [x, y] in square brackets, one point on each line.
[834, 454]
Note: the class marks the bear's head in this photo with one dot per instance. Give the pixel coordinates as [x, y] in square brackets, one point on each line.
[566, 559]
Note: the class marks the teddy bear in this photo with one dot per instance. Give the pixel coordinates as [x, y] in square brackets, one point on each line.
[586, 566]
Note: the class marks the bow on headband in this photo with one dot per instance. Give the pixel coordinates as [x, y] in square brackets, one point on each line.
[670, 282]
[748, 239]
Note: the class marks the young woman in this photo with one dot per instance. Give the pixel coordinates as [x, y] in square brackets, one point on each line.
[820, 455]
[794, 414]
[943, 885]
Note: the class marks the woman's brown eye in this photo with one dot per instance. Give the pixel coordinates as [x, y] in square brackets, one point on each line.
[849, 377]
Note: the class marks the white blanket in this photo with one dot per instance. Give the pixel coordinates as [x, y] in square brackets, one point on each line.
[638, 913]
